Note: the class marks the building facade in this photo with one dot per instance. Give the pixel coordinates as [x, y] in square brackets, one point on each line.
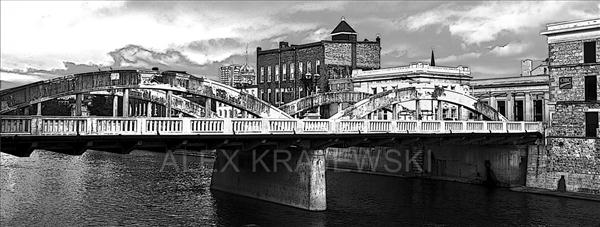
[572, 152]
[294, 71]
[522, 98]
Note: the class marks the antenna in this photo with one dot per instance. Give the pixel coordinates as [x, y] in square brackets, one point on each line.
[246, 54]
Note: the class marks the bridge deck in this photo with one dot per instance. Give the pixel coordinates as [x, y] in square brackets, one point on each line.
[55, 126]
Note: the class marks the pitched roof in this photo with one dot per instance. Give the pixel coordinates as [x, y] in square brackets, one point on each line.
[343, 27]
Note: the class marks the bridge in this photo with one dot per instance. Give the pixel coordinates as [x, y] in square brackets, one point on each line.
[239, 139]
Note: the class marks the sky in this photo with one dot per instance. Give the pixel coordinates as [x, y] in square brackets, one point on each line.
[42, 40]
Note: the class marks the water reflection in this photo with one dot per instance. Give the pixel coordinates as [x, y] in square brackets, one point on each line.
[100, 188]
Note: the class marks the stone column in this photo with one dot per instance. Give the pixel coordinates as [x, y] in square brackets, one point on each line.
[546, 107]
[149, 109]
[493, 102]
[417, 109]
[78, 100]
[115, 107]
[39, 109]
[510, 106]
[125, 102]
[459, 113]
[528, 107]
[439, 113]
[26, 110]
[207, 106]
[168, 107]
[395, 111]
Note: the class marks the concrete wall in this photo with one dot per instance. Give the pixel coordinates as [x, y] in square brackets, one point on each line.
[448, 162]
[303, 187]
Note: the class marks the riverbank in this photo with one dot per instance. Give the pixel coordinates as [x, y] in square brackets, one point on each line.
[572, 195]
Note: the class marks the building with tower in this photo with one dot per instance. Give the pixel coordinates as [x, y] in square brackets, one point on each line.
[294, 71]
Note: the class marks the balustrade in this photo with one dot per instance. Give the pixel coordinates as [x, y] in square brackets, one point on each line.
[149, 126]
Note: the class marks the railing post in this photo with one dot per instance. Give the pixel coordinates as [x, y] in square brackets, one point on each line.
[265, 126]
[141, 125]
[523, 126]
[394, 126]
[366, 126]
[227, 126]
[186, 125]
[442, 126]
[485, 126]
[299, 125]
[504, 126]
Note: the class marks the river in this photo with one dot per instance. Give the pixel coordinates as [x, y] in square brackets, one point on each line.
[99, 188]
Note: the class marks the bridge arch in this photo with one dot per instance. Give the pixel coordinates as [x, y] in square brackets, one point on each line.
[309, 102]
[158, 97]
[19, 97]
[381, 100]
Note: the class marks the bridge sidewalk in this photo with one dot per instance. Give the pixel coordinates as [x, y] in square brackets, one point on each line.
[541, 191]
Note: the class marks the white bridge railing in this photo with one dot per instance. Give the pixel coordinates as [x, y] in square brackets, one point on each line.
[34, 125]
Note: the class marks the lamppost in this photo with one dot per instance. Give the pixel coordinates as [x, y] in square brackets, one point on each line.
[307, 81]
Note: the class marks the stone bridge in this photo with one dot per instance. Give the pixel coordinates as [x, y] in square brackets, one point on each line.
[388, 98]
[169, 81]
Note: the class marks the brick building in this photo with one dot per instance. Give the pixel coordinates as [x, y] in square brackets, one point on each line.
[294, 71]
[573, 142]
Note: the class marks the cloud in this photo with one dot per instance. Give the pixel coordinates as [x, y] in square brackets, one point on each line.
[458, 58]
[317, 35]
[475, 24]
[509, 49]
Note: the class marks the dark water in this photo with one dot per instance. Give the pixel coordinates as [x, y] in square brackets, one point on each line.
[100, 188]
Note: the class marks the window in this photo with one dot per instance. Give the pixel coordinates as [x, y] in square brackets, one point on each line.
[269, 95]
[591, 124]
[262, 74]
[538, 110]
[591, 88]
[589, 52]
[269, 74]
[308, 67]
[518, 110]
[284, 72]
[300, 69]
[374, 90]
[502, 107]
[292, 71]
[277, 72]
[262, 95]
[318, 67]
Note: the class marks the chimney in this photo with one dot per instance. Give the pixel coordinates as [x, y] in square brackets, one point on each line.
[283, 44]
[526, 67]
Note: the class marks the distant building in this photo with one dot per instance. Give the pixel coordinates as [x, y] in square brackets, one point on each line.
[573, 143]
[519, 98]
[294, 71]
[237, 76]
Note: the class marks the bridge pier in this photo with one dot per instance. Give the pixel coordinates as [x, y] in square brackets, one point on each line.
[293, 178]
[39, 109]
